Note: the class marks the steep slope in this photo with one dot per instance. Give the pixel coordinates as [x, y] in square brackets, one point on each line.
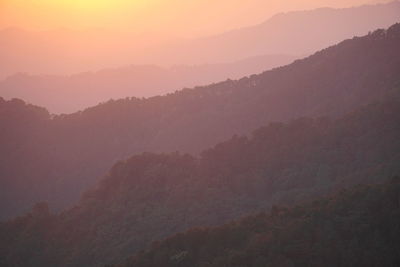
[82, 146]
[149, 196]
[67, 94]
[358, 227]
[65, 52]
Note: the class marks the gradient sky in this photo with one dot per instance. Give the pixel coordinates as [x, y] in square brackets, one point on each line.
[187, 18]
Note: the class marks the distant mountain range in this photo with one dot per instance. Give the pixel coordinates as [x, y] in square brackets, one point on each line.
[55, 158]
[68, 94]
[294, 33]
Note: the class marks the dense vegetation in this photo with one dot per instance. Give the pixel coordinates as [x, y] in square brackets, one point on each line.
[151, 196]
[356, 227]
[66, 154]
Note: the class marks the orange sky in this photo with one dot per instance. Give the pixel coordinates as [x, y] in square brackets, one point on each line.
[187, 18]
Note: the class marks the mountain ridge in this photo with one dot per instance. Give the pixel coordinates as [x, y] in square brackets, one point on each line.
[68, 94]
[149, 197]
[70, 152]
[96, 51]
[331, 231]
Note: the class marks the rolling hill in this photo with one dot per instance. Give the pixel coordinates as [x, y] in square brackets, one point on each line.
[68, 94]
[356, 227]
[151, 196]
[55, 158]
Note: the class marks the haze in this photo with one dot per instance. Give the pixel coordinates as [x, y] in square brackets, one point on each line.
[143, 43]
[207, 133]
[173, 17]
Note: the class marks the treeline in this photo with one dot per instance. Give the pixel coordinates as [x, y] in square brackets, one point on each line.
[355, 227]
[151, 196]
[56, 158]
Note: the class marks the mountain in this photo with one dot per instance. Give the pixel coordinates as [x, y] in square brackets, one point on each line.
[151, 196]
[57, 157]
[356, 227]
[64, 52]
[309, 30]
[67, 94]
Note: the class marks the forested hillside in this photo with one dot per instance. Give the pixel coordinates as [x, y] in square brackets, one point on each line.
[68, 94]
[151, 196]
[173, 147]
[68, 153]
[356, 227]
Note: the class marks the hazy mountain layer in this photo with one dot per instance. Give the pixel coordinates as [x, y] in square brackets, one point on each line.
[295, 33]
[67, 94]
[151, 196]
[56, 158]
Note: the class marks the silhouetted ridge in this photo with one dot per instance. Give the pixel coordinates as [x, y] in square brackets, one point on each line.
[356, 227]
[151, 196]
[67, 94]
[71, 151]
[294, 33]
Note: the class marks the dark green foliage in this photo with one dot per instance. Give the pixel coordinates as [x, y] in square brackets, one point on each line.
[66, 154]
[151, 196]
[356, 227]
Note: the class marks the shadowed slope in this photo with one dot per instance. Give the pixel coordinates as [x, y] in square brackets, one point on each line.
[67, 153]
[151, 196]
[357, 227]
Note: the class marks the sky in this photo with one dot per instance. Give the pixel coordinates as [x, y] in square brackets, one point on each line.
[179, 18]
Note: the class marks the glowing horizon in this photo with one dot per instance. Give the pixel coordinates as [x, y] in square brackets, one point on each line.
[175, 17]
